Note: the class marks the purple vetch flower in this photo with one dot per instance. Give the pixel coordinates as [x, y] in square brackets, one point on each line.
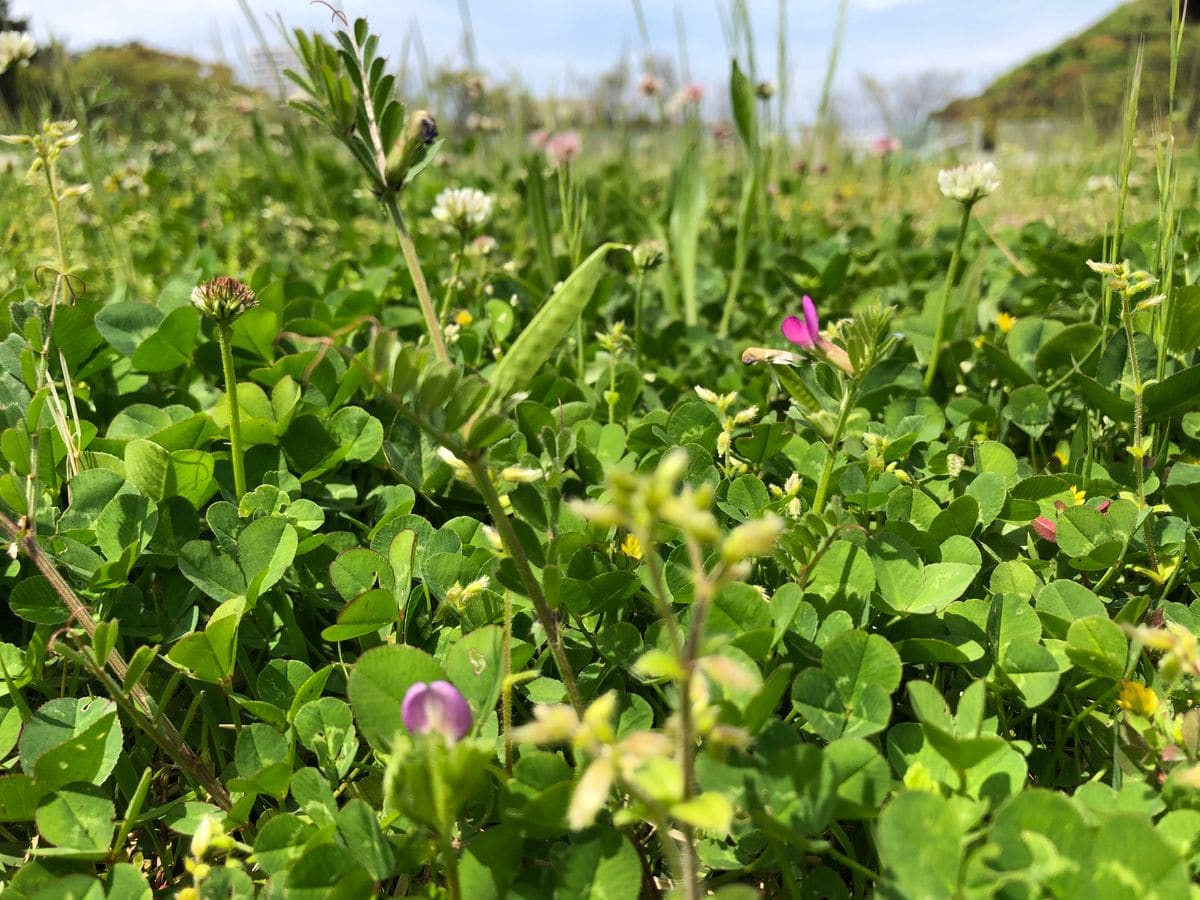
[436, 706]
[804, 332]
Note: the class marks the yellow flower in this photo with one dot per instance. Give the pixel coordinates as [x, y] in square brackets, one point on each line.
[979, 342]
[632, 547]
[1138, 699]
[463, 318]
[1079, 495]
[1005, 322]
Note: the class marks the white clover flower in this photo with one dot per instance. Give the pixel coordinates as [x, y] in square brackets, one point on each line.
[462, 208]
[954, 464]
[15, 47]
[970, 182]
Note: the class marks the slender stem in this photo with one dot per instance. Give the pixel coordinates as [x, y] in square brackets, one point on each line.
[506, 694]
[831, 456]
[939, 329]
[658, 590]
[454, 273]
[225, 339]
[637, 317]
[48, 168]
[134, 698]
[704, 589]
[428, 312]
[508, 535]
[1138, 451]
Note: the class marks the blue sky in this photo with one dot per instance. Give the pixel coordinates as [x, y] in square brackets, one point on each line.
[551, 44]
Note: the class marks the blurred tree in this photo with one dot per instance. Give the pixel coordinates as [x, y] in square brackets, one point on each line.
[906, 105]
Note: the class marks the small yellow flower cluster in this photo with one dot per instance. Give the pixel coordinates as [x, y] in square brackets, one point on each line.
[1123, 279]
[639, 502]
[1137, 699]
[722, 403]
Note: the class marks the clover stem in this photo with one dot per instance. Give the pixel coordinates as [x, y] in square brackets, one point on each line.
[454, 273]
[939, 328]
[637, 317]
[225, 340]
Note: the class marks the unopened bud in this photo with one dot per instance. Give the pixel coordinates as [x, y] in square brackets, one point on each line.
[754, 538]
[412, 150]
[648, 255]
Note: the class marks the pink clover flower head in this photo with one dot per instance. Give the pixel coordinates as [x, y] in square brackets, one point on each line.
[537, 139]
[806, 332]
[692, 93]
[1046, 529]
[563, 147]
[438, 707]
[885, 146]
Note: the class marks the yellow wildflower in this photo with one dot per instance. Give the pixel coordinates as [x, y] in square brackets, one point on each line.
[1138, 699]
[632, 547]
[463, 318]
[1005, 322]
[1078, 495]
[979, 342]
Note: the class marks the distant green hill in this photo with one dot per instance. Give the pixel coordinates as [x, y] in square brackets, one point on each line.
[1088, 74]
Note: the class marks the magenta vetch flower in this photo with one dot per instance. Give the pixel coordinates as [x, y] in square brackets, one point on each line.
[804, 332]
[563, 147]
[438, 707]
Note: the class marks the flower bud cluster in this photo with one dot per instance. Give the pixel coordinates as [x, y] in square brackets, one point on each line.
[223, 299]
[1123, 279]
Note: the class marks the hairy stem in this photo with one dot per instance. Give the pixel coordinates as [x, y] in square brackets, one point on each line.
[428, 312]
